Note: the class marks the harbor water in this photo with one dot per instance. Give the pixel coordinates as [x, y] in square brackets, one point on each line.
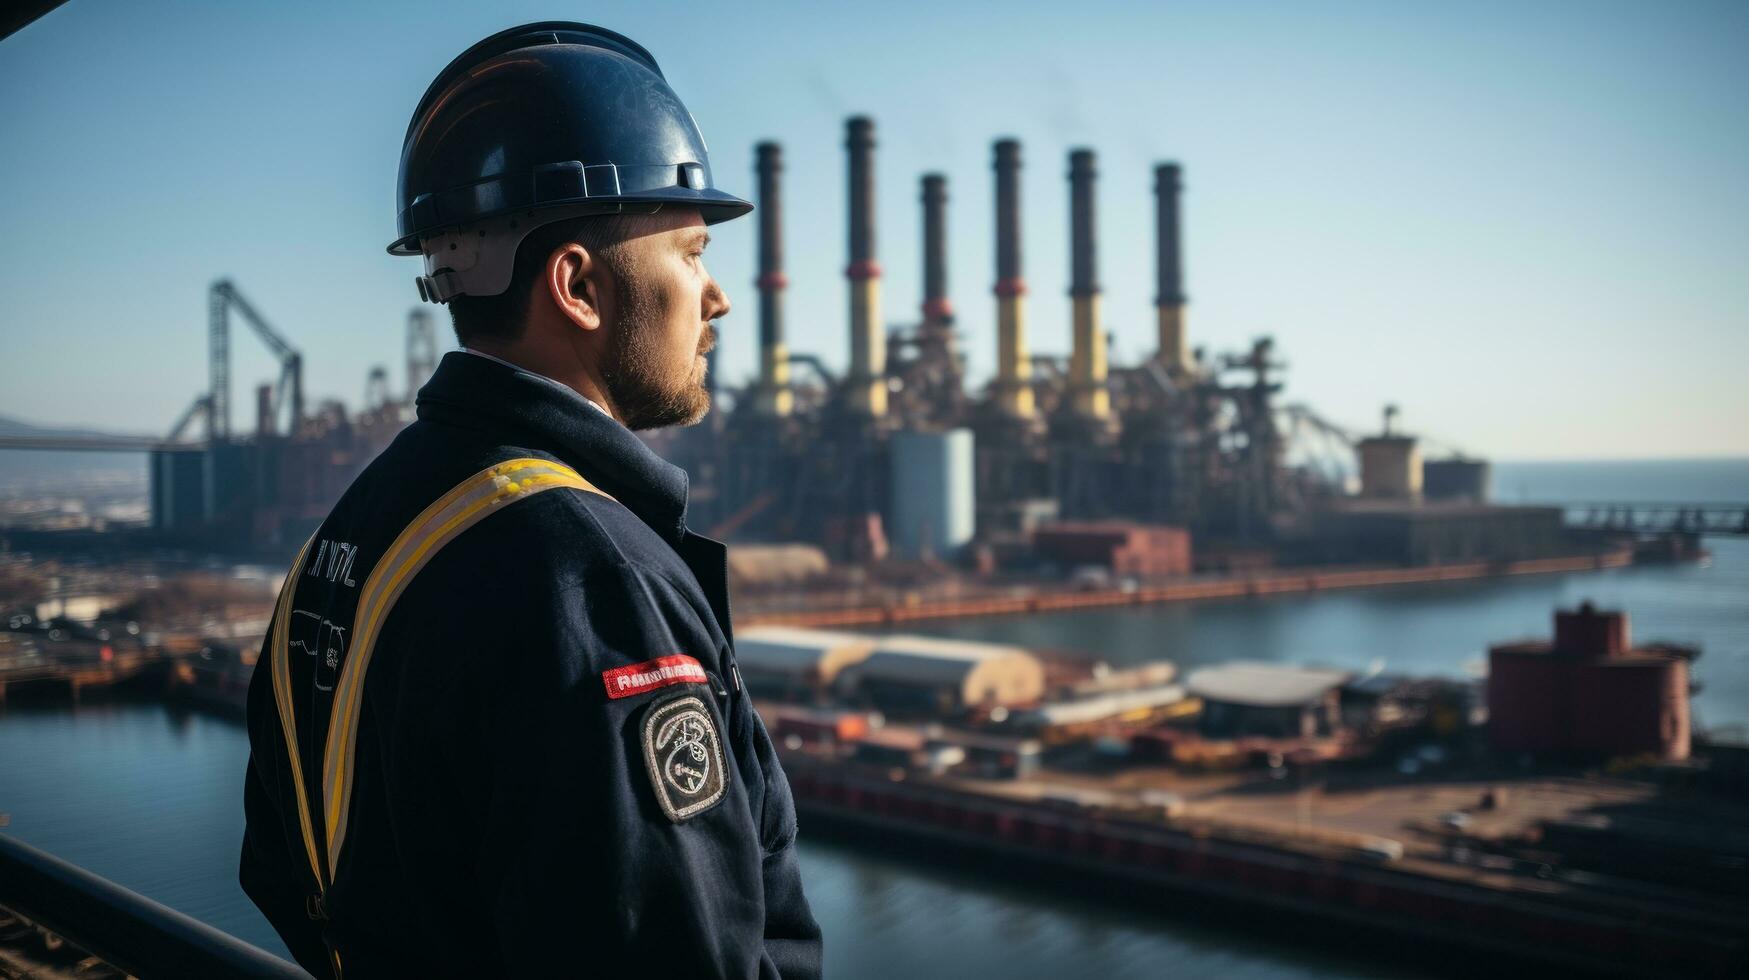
[151, 797]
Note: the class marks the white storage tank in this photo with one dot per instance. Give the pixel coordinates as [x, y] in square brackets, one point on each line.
[932, 492]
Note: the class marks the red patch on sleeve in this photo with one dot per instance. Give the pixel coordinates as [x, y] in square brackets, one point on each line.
[623, 682]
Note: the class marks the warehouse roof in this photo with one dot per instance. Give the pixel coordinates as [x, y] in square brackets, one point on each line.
[792, 649]
[1263, 685]
[925, 659]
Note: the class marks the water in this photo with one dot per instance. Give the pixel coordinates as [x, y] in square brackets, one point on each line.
[1661, 481]
[153, 799]
[1424, 630]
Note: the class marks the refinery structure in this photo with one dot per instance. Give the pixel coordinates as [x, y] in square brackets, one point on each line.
[255, 491]
[896, 454]
[1177, 463]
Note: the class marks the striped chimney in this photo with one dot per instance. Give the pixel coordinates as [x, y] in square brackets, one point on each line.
[1013, 363]
[937, 309]
[773, 395]
[867, 382]
[1089, 395]
[1169, 295]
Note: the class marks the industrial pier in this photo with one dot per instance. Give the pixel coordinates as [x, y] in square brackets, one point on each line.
[875, 607]
[1481, 818]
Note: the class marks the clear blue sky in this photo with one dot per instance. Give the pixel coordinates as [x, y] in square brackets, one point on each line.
[1525, 223]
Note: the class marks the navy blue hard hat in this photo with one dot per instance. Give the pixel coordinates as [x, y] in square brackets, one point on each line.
[550, 117]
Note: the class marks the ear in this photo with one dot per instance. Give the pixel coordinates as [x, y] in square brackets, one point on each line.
[575, 283]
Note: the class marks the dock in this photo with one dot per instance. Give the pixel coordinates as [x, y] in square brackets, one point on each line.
[1346, 879]
[1046, 598]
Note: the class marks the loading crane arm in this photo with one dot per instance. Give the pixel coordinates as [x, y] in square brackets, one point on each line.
[827, 378]
[1302, 415]
[202, 406]
[225, 297]
[1320, 446]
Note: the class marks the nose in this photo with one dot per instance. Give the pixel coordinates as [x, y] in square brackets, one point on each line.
[716, 302]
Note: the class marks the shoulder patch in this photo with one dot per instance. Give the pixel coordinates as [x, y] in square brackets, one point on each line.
[684, 755]
[623, 682]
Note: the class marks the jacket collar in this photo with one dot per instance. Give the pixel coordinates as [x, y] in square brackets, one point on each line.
[519, 407]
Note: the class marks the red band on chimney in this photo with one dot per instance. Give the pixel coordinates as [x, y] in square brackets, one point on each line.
[938, 309]
[772, 280]
[866, 269]
[1011, 287]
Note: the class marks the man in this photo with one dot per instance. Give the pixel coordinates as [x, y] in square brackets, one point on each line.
[497, 726]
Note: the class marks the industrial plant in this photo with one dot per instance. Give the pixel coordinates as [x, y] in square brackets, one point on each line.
[896, 455]
[1176, 464]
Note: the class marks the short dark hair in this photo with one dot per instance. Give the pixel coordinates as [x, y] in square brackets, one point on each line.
[502, 317]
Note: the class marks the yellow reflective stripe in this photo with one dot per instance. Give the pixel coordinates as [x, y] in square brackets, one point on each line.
[382, 580]
[282, 697]
[461, 508]
[489, 479]
[342, 744]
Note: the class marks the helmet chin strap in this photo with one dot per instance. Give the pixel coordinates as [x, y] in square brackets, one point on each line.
[474, 260]
[479, 259]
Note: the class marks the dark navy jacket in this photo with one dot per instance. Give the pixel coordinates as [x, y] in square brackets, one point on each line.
[503, 817]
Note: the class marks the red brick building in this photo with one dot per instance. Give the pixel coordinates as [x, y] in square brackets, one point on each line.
[1588, 693]
[1143, 550]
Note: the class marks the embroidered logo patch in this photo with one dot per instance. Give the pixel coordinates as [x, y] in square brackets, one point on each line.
[623, 682]
[684, 756]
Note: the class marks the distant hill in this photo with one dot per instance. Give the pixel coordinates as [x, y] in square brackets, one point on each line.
[41, 469]
[18, 427]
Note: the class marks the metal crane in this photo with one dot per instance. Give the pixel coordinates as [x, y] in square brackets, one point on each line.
[1322, 446]
[224, 298]
[203, 406]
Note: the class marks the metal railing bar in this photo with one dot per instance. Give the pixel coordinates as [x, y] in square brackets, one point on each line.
[124, 928]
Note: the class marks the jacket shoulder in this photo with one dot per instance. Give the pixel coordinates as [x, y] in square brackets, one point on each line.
[565, 571]
[567, 529]
[427, 461]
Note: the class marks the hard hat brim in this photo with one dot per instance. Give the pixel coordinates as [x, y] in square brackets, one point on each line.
[714, 205]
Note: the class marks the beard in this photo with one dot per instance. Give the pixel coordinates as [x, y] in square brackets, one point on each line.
[646, 391]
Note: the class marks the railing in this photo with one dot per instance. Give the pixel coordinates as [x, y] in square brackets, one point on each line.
[90, 444]
[126, 930]
[1656, 518]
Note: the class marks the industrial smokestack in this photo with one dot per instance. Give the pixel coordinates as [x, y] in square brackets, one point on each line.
[1169, 275]
[937, 309]
[867, 383]
[421, 352]
[264, 420]
[1013, 363]
[1090, 398]
[773, 396]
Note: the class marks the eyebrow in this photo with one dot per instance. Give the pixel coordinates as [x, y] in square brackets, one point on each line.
[701, 239]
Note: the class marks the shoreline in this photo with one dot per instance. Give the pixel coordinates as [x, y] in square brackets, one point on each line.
[1313, 887]
[1228, 587]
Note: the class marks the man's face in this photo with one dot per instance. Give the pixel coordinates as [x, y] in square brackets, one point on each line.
[660, 330]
